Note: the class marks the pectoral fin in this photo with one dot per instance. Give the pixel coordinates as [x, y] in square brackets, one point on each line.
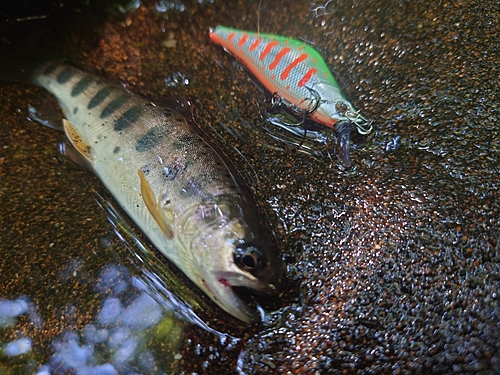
[154, 206]
[76, 140]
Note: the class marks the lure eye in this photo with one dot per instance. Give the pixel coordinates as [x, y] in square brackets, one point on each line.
[249, 258]
[341, 107]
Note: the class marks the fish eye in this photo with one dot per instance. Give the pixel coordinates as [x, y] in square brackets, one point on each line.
[249, 258]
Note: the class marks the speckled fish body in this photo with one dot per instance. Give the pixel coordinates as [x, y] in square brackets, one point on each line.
[172, 183]
[291, 68]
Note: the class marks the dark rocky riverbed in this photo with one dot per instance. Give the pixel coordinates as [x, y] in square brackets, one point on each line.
[393, 265]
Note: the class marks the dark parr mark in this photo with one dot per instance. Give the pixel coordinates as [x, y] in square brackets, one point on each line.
[114, 105]
[81, 86]
[150, 139]
[75, 110]
[65, 75]
[116, 150]
[99, 97]
[50, 68]
[128, 118]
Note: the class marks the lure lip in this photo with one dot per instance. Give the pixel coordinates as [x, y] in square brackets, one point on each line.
[343, 129]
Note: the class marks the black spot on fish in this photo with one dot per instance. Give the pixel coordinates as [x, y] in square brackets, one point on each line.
[99, 97]
[114, 105]
[75, 110]
[170, 173]
[128, 118]
[150, 139]
[81, 86]
[65, 75]
[164, 199]
[146, 169]
[116, 150]
[50, 68]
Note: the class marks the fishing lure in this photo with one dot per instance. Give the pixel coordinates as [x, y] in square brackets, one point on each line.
[298, 78]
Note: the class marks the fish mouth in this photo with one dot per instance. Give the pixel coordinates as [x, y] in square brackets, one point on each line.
[241, 296]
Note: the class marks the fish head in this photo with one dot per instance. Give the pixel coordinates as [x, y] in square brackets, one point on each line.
[231, 263]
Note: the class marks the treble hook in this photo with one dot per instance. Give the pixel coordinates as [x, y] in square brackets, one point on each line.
[363, 125]
[277, 100]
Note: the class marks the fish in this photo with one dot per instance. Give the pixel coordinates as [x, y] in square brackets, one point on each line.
[174, 184]
[297, 77]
